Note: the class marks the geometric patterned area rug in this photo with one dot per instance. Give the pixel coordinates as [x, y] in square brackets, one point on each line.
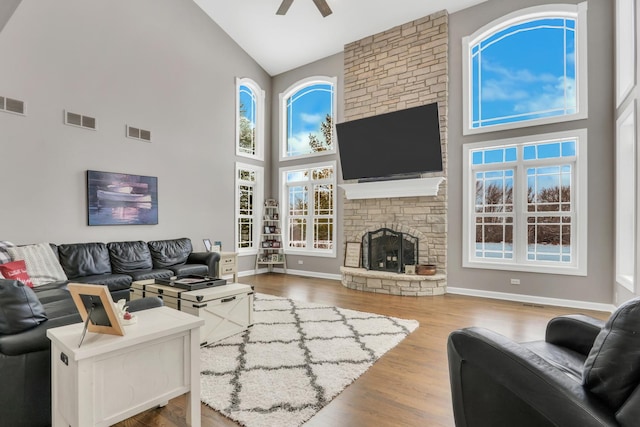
[294, 360]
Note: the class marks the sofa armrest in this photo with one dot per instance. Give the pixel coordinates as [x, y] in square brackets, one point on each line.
[210, 259]
[34, 339]
[495, 381]
[144, 304]
[576, 332]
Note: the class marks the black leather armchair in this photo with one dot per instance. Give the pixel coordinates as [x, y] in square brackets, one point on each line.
[585, 373]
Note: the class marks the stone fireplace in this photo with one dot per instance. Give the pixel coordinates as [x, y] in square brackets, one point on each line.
[388, 250]
[403, 67]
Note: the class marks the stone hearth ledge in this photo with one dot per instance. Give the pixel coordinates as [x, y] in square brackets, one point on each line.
[384, 282]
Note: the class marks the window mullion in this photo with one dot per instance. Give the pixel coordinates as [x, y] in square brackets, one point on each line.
[521, 227]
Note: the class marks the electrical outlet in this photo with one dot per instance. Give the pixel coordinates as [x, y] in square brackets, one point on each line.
[300, 262]
[515, 281]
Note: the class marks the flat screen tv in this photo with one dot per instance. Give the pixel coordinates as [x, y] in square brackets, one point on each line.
[395, 145]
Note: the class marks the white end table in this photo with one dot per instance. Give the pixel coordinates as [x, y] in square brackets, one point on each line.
[111, 378]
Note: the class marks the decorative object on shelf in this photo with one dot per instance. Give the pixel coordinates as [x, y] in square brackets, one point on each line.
[426, 269]
[409, 269]
[352, 254]
[121, 199]
[270, 249]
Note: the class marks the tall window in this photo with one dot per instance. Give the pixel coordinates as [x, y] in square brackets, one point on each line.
[307, 111]
[249, 119]
[309, 208]
[525, 203]
[249, 194]
[626, 198]
[526, 68]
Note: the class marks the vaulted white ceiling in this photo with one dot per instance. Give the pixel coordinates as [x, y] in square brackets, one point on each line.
[281, 43]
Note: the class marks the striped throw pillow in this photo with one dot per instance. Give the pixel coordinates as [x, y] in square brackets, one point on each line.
[4, 254]
[42, 264]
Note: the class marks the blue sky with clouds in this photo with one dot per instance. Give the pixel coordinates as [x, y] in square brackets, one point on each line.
[527, 69]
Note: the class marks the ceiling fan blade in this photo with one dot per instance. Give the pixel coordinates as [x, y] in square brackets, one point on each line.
[323, 7]
[284, 7]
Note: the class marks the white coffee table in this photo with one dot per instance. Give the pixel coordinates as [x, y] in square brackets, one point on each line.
[111, 378]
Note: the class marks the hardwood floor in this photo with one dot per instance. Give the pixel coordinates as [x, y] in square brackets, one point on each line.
[408, 386]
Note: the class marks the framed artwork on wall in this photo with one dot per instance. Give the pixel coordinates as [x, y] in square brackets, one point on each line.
[121, 199]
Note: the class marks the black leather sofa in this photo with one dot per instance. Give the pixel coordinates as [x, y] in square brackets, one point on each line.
[118, 264]
[25, 365]
[585, 373]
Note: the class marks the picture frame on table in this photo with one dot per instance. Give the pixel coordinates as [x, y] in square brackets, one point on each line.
[352, 254]
[96, 308]
[207, 244]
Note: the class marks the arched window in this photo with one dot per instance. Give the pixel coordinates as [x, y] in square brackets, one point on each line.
[526, 68]
[307, 111]
[249, 119]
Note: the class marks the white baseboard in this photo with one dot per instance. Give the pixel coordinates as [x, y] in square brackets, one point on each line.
[531, 299]
[304, 273]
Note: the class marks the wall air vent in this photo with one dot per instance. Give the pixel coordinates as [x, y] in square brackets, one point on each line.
[137, 133]
[10, 105]
[78, 120]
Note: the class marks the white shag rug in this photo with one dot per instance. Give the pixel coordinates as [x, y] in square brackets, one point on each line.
[294, 360]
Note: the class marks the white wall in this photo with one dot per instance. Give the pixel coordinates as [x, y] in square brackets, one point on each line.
[161, 65]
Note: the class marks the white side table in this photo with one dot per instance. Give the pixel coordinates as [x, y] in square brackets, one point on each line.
[228, 265]
[111, 378]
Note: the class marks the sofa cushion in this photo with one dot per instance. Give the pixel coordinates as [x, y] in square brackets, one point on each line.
[42, 263]
[84, 259]
[166, 253]
[186, 269]
[20, 309]
[16, 270]
[114, 282]
[129, 256]
[612, 369]
[4, 254]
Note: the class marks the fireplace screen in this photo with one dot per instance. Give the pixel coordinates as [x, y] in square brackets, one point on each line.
[388, 250]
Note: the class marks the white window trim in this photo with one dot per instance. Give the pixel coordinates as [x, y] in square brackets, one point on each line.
[283, 114]
[623, 234]
[260, 107]
[579, 268]
[626, 36]
[579, 12]
[258, 201]
[285, 208]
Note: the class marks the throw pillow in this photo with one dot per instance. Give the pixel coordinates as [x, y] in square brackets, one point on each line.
[42, 263]
[4, 254]
[16, 270]
[612, 369]
[20, 308]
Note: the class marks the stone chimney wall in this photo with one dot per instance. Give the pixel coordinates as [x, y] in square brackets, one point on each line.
[400, 68]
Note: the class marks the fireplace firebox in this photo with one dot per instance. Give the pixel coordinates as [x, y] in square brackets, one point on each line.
[388, 250]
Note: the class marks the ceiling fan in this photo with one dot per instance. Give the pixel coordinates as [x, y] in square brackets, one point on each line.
[322, 6]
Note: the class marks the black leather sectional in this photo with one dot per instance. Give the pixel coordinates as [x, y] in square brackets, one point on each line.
[25, 351]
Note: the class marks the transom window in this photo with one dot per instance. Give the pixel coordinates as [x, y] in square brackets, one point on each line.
[526, 68]
[525, 204]
[250, 114]
[309, 208]
[307, 118]
[249, 191]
